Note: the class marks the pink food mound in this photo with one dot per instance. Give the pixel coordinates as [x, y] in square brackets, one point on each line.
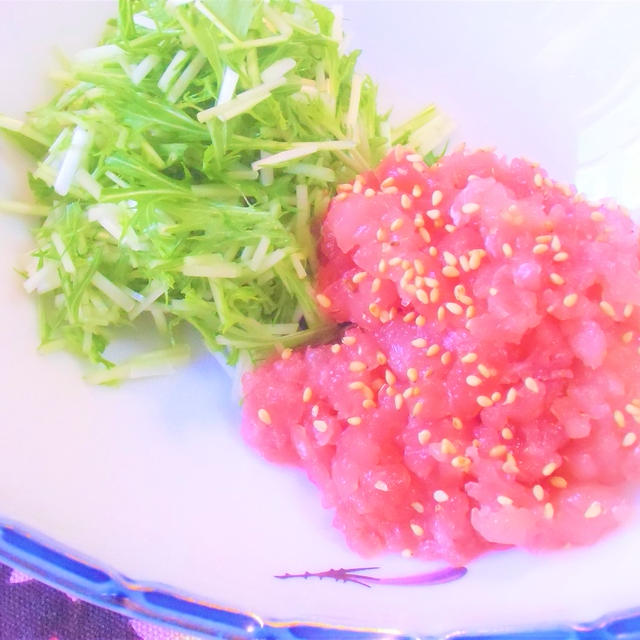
[487, 389]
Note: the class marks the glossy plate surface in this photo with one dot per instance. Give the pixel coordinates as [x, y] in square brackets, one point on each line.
[152, 480]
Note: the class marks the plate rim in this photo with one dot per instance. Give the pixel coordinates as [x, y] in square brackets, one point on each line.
[26, 550]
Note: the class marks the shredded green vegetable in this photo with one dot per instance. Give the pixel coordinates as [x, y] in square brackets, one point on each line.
[181, 167]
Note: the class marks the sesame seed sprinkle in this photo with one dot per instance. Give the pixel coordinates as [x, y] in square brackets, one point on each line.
[357, 365]
[556, 278]
[549, 468]
[450, 271]
[436, 197]
[369, 192]
[286, 353]
[380, 485]
[416, 192]
[396, 224]
[473, 381]
[627, 337]
[618, 418]
[422, 296]
[558, 482]
[461, 462]
[484, 401]
[323, 300]
[507, 250]
[531, 384]
[306, 394]
[412, 374]
[510, 465]
[417, 506]
[420, 321]
[504, 501]
[506, 433]
[470, 207]
[417, 408]
[445, 358]
[628, 310]
[548, 511]
[387, 182]
[498, 451]
[264, 416]
[457, 423]
[597, 216]
[424, 436]
[594, 510]
[417, 529]
[440, 496]
[335, 348]
[449, 258]
[537, 180]
[607, 308]
[425, 235]
[354, 420]
[349, 340]
[454, 308]
[629, 439]
[433, 350]
[398, 401]
[469, 357]
[405, 201]
[541, 248]
[561, 256]
[538, 492]
[320, 425]
[570, 300]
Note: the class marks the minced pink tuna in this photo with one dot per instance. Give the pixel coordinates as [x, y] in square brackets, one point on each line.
[486, 391]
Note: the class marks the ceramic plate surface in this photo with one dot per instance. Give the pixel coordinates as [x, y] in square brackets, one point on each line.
[152, 479]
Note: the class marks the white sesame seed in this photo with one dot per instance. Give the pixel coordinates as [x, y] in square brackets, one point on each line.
[556, 278]
[405, 202]
[417, 506]
[433, 214]
[507, 250]
[597, 216]
[532, 385]
[354, 420]
[454, 308]
[484, 401]
[369, 192]
[320, 425]
[450, 271]
[357, 365]
[417, 408]
[422, 296]
[570, 300]
[349, 340]
[556, 245]
[433, 252]
[398, 401]
[323, 300]
[537, 180]
[484, 370]
[549, 468]
[548, 511]
[417, 529]
[419, 343]
[562, 256]
[434, 295]
[420, 321]
[538, 492]
[618, 418]
[558, 482]
[470, 207]
[440, 495]
[627, 337]
[368, 403]
[507, 434]
[461, 462]
[359, 277]
[380, 485]
[433, 350]
[504, 501]
[498, 451]
[540, 249]
[424, 436]
[629, 439]
[425, 235]
[449, 258]
[387, 182]
[469, 357]
[412, 374]
[607, 308]
[436, 198]
[447, 447]
[594, 510]
[264, 416]
[473, 381]
[416, 192]
[335, 348]
[628, 310]
[510, 465]
[396, 224]
[306, 394]
[457, 423]
[445, 358]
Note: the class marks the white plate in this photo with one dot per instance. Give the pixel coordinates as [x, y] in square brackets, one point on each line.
[153, 479]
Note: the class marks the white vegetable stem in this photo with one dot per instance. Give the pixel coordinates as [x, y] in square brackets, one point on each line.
[71, 161]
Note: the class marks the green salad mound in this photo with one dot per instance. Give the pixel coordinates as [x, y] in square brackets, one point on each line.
[180, 169]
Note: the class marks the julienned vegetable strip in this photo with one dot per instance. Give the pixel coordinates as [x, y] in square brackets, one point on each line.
[180, 169]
